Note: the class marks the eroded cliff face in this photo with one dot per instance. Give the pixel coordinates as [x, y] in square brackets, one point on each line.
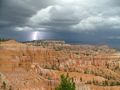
[38, 65]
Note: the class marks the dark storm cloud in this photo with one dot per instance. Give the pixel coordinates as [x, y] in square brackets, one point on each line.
[39, 4]
[14, 13]
[17, 12]
[85, 21]
[79, 15]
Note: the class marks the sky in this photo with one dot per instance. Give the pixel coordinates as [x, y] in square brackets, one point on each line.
[75, 21]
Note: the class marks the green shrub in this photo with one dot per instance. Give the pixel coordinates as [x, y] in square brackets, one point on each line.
[66, 83]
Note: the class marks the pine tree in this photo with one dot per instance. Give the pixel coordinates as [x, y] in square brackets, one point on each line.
[66, 83]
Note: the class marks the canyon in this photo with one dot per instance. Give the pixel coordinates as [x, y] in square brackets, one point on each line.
[38, 65]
